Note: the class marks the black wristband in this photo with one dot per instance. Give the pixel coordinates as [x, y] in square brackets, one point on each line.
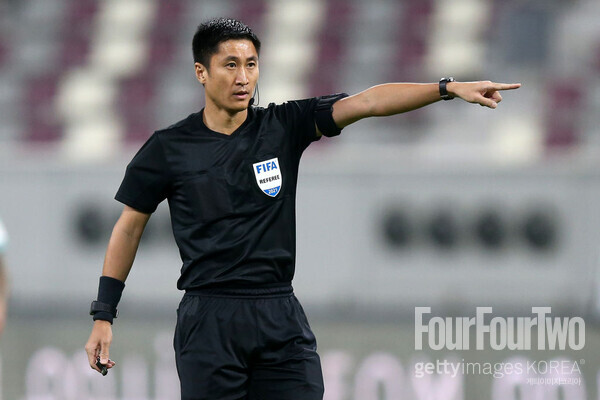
[103, 311]
[109, 295]
[443, 90]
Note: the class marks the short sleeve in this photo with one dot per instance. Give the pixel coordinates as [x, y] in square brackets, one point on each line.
[299, 118]
[3, 238]
[147, 179]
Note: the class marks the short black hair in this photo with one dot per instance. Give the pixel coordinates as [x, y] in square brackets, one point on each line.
[211, 33]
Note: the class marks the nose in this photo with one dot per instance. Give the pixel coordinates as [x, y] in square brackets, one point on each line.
[242, 77]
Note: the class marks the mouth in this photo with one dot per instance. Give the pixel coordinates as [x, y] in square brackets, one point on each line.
[242, 95]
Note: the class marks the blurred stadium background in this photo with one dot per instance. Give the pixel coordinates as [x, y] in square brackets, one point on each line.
[452, 207]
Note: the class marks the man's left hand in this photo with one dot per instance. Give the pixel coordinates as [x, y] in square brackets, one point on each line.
[484, 93]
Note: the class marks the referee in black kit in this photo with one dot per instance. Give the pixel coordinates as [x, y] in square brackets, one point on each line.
[229, 173]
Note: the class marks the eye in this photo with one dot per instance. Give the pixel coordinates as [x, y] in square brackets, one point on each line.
[230, 65]
[251, 64]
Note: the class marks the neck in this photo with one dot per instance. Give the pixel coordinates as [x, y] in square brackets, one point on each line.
[221, 120]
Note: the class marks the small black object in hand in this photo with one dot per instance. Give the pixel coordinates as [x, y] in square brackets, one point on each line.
[102, 367]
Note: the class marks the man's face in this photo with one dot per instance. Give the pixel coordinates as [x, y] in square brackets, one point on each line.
[229, 82]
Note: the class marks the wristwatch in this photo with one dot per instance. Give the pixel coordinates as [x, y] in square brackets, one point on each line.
[443, 91]
[98, 306]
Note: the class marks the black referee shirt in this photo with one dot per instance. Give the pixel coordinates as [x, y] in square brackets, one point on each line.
[231, 197]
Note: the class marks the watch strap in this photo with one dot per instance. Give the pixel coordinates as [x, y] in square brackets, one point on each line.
[443, 89]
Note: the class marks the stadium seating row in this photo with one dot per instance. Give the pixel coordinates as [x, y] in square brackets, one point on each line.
[43, 44]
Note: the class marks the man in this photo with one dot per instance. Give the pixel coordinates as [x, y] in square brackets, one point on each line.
[229, 173]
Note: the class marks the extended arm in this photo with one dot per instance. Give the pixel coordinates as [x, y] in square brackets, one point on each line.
[396, 98]
[120, 254]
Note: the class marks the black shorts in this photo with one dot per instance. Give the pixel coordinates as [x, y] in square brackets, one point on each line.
[251, 344]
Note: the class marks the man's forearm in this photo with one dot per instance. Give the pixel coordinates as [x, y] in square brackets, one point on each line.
[396, 98]
[383, 100]
[120, 254]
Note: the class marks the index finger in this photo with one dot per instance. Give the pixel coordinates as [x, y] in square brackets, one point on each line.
[506, 86]
[92, 358]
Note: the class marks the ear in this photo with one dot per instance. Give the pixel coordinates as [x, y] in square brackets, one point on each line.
[201, 72]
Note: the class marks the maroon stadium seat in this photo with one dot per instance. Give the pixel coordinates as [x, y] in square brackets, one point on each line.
[136, 104]
[565, 97]
[412, 39]
[332, 43]
[164, 38]
[41, 120]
